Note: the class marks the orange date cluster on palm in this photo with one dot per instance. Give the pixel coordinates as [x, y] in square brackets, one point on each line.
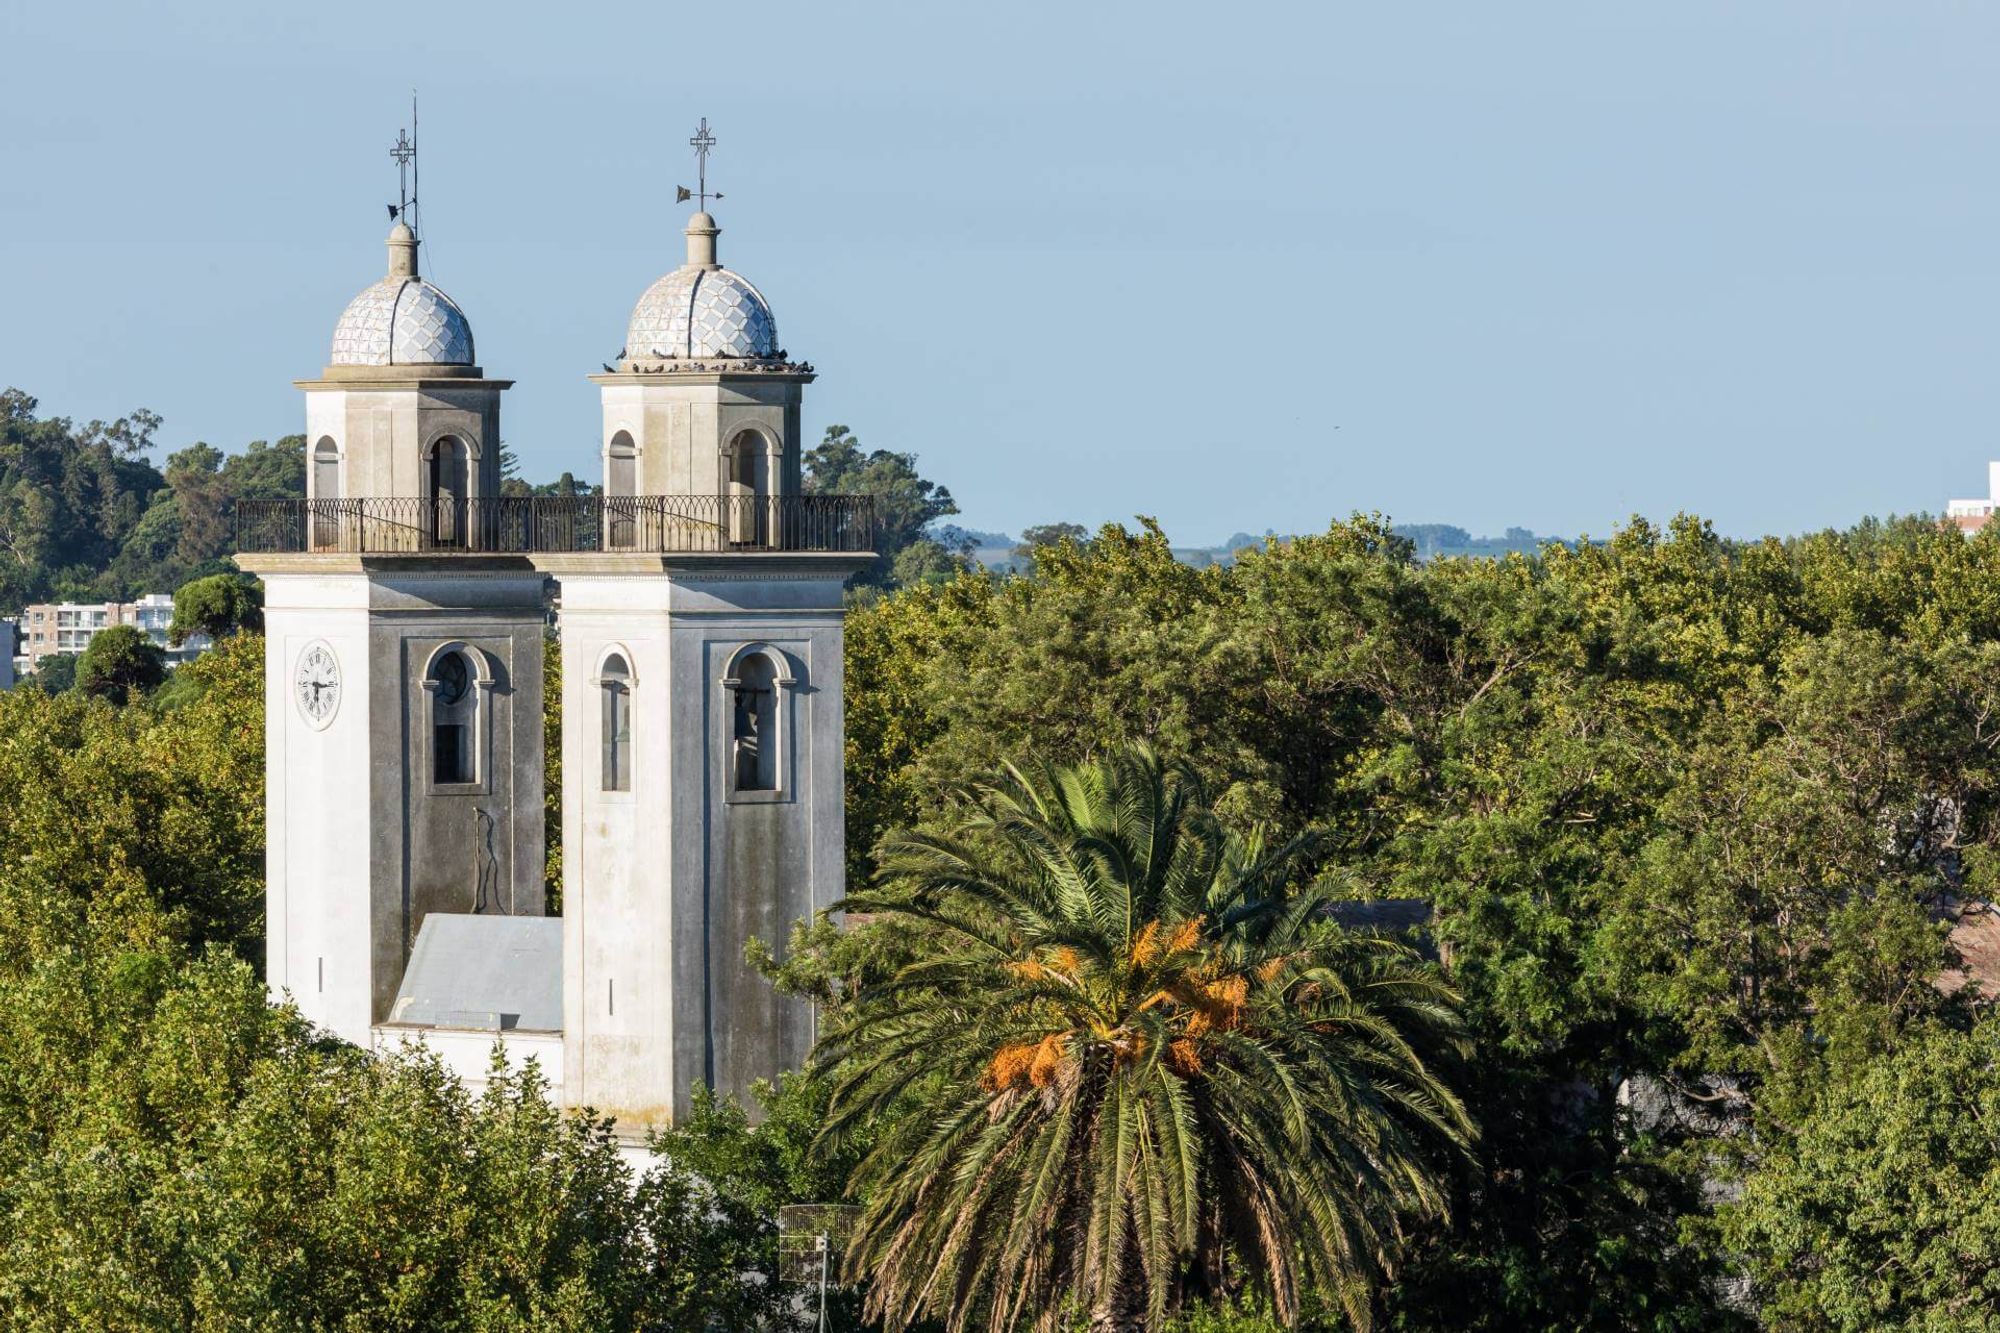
[1167, 974]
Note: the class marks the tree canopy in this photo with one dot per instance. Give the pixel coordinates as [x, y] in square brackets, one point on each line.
[1122, 1065]
[1688, 823]
[217, 606]
[119, 662]
[85, 515]
[1882, 1209]
[906, 505]
[1675, 804]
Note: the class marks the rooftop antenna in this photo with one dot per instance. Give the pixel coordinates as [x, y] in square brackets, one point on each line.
[405, 153]
[701, 143]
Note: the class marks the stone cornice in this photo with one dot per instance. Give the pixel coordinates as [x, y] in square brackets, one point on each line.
[454, 564]
[708, 370]
[733, 566]
[402, 377]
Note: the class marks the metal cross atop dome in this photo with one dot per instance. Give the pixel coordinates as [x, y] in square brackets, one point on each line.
[701, 143]
[404, 151]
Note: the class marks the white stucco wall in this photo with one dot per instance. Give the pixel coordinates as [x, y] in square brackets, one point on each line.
[318, 786]
[654, 983]
[468, 1053]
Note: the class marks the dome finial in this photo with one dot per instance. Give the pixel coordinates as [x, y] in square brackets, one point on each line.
[701, 234]
[402, 251]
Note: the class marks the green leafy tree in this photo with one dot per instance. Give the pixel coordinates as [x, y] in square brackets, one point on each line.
[905, 503]
[120, 661]
[201, 499]
[176, 1153]
[925, 561]
[1127, 1067]
[1676, 804]
[83, 513]
[1880, 1209]
[69, 496]
[55, 673]
[217, 606]
[1048, 534]
[266, 471]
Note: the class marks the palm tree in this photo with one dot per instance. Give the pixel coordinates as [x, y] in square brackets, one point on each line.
[1125, 1068]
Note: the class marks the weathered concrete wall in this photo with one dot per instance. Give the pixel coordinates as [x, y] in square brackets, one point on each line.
[359, 845]
[665, 884]
[618, 981]
[476, 847]
[681, 425]
[469, 847]
[384, 432]
[766, 871]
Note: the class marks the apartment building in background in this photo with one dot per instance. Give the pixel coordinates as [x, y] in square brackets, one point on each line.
[49, 628]
[1970, 516]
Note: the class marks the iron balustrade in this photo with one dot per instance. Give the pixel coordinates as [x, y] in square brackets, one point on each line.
[553, 524]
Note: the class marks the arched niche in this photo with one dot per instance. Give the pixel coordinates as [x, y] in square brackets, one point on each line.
[757, 683]
[458, 691]
[448, 479]
[616, 686]
[750, 490]
[621, 465]
[323, 485]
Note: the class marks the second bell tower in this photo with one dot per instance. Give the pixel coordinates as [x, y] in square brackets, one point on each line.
[702, 725]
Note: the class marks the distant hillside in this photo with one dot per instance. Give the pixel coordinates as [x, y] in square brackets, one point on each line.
[1001, 552]
[1436, 539]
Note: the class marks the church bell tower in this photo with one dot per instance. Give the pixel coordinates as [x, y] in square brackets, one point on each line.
[702, 686]
[698, 604]
[403, 661]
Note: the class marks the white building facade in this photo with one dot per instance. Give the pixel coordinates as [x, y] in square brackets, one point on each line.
[406, 613]
[52, 628]
[1972, 515]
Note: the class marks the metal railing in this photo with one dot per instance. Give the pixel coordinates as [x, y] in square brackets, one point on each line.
[509, 524]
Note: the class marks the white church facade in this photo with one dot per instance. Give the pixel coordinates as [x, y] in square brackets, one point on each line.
[697, 605]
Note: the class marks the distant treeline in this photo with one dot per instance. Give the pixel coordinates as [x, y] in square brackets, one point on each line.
[84, 515]
[1428, 541]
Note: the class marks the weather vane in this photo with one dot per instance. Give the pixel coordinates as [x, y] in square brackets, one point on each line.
[405, 153]
[701, 143]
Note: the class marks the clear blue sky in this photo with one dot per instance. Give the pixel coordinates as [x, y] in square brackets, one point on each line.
[1539, 265]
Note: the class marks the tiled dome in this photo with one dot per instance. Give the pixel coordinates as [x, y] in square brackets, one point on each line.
[402, 321]
[702, 312]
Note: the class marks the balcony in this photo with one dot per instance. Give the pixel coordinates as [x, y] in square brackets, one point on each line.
[543, 524]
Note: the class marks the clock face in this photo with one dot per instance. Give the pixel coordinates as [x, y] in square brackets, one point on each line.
[317, 684]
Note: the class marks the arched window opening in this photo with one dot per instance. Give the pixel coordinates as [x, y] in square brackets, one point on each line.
[621, 483]
[454, 713]
[326, 469]
[615, 698]
[755, 766]
[326, 493]
[621, 474]
[750, 490]
[449, 474]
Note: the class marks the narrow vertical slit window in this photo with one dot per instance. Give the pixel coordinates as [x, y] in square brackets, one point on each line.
[621, 483]
[326, 493]
[615, 698]
[449, 479]
[755, 766]
[452, 718]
